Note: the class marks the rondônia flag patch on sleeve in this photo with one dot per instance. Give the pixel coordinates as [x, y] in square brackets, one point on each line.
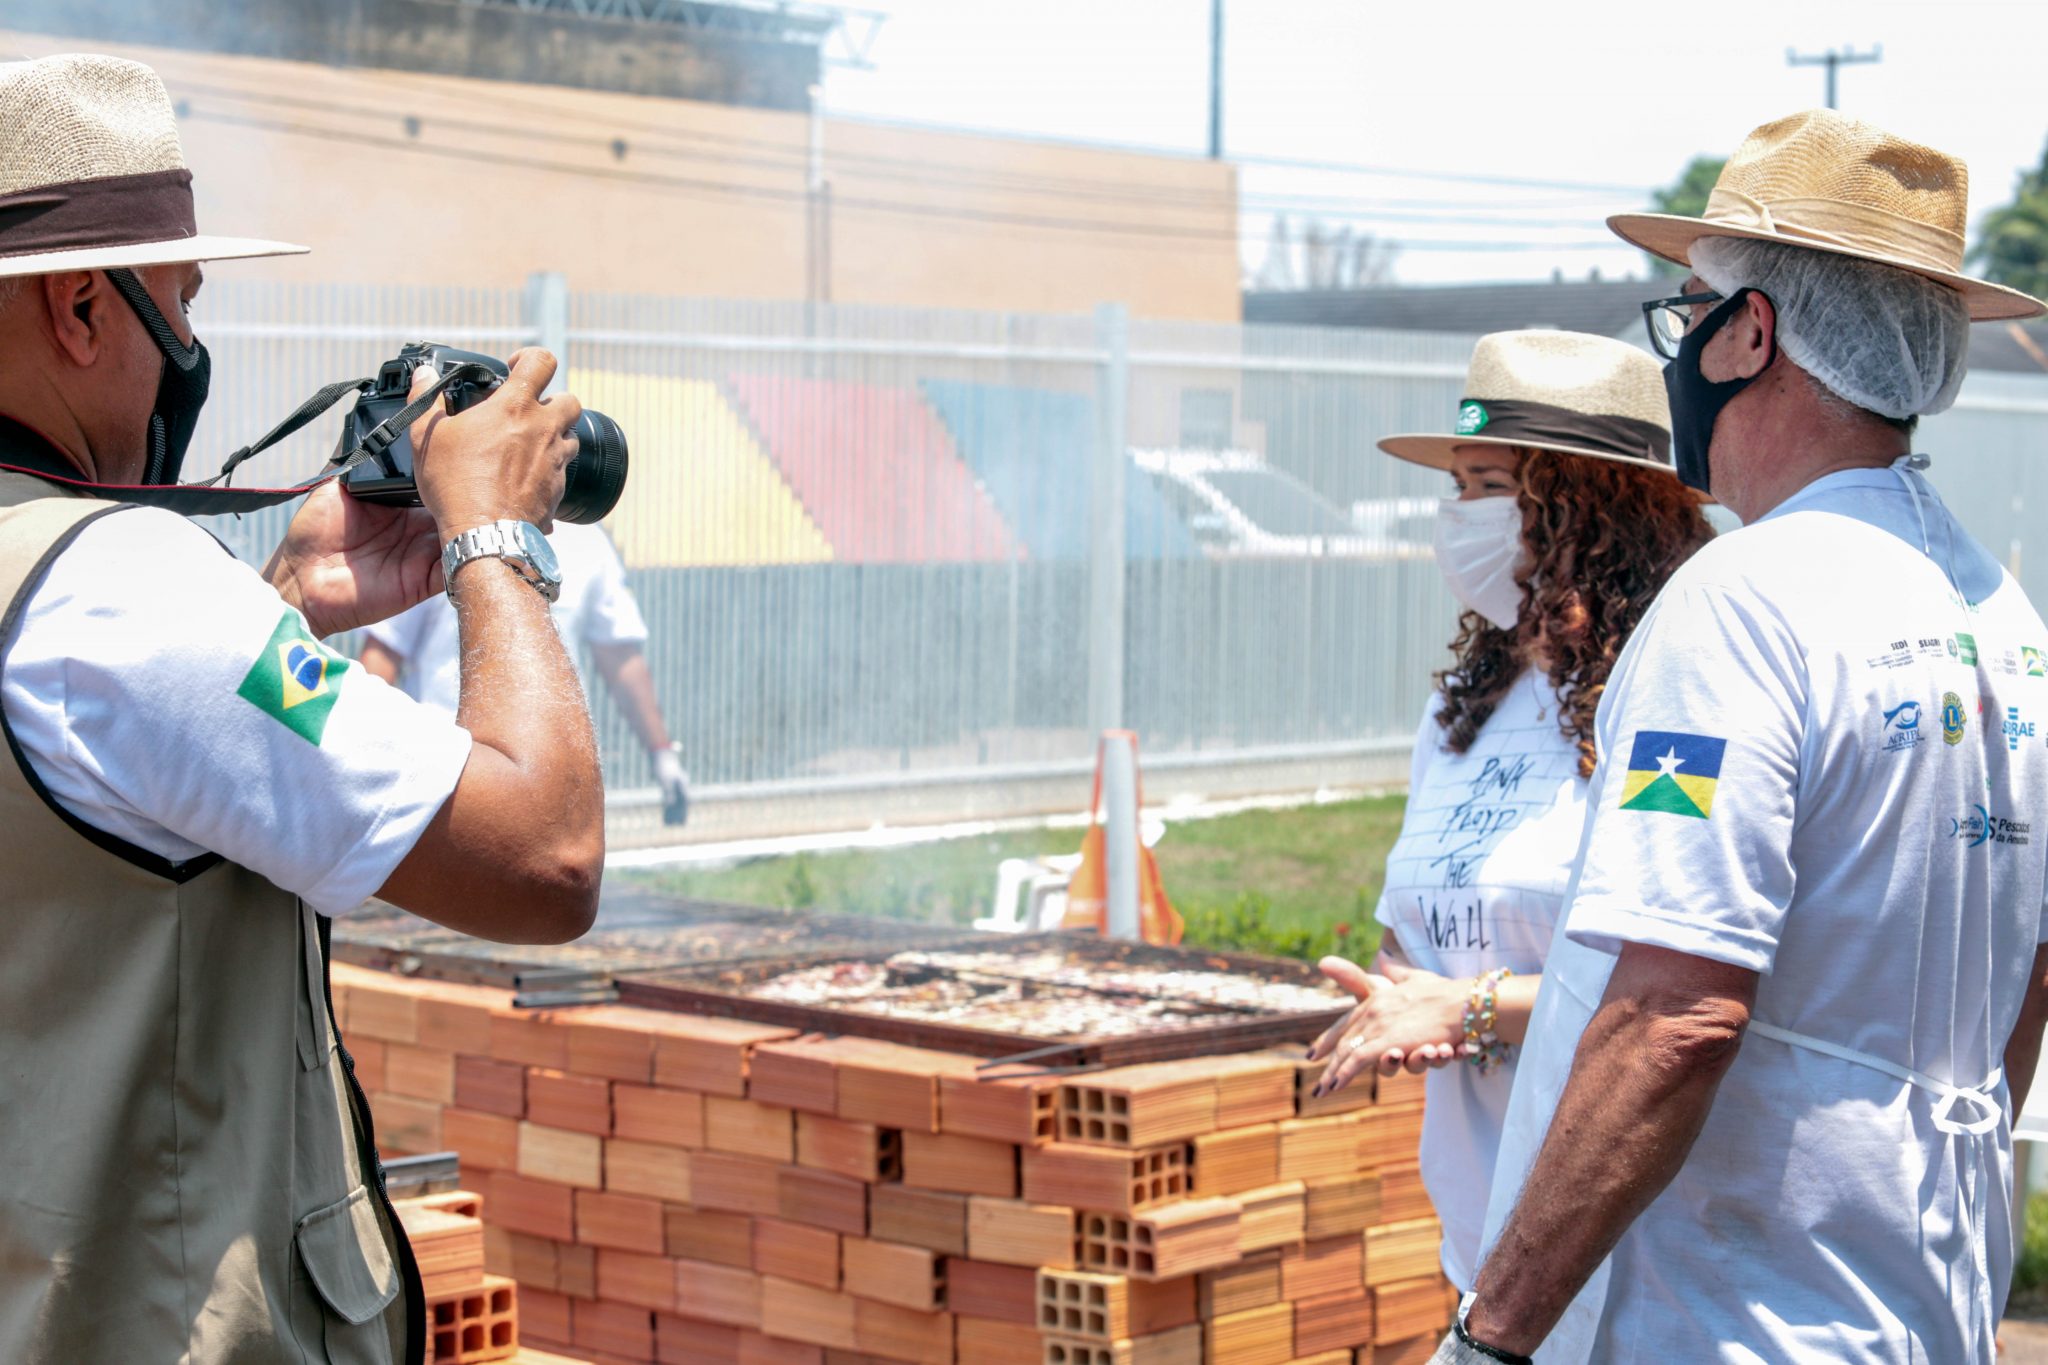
[1673, 773]
[295, 679]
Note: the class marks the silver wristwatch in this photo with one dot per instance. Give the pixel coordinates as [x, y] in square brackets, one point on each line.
[518, 543]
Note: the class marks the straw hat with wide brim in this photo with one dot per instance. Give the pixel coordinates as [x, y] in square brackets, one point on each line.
[1565, 392]
[1824, 181]
[92, 176]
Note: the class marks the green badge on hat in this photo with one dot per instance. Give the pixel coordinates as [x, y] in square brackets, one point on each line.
[295, 679]
[1472, 418]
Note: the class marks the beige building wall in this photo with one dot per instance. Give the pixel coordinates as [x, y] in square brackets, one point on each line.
[418, 179]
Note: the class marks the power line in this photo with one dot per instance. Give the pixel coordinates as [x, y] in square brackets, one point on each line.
[1636, 193]
[1449, 177]
[1414, 211]
[690, 186]
[955, 175]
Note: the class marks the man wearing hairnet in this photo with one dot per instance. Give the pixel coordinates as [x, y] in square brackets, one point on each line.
[1765, 1108]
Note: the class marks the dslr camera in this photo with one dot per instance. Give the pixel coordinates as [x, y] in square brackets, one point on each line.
[591, 483]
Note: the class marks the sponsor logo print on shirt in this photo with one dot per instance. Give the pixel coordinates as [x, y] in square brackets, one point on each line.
[2036, 665]
[1981, 827]
[294, 680]
[1953, 718]
[1902, 727]
[1901, 653]
[1963, 648]
[2016, 729]
[1673, 772]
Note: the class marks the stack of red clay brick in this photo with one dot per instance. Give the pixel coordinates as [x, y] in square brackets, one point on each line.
[472, 1316]
[700, 1191]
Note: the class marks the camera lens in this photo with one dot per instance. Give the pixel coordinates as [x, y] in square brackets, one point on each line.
[594, 479]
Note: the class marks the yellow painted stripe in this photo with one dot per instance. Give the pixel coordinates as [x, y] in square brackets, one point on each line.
[699, 489]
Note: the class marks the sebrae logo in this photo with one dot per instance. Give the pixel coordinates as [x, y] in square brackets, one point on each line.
[294, 680]
[2016, 729]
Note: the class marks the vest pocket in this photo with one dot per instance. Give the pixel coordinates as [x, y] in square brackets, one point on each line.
[350, 1264]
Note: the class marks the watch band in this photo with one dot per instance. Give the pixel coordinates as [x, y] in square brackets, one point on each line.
[496, 540]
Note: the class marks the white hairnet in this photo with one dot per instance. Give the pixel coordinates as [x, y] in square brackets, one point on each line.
[1883, 338]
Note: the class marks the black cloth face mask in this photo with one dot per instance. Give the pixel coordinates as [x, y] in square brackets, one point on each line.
[1696, 401]
[180, 394]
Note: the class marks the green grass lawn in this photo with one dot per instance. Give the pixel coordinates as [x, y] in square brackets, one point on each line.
[1266, 881]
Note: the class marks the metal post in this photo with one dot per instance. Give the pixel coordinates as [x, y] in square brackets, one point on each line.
[1121, 835]
[547, 319]
[1215, 80]
[1106, 551]
[814, 184]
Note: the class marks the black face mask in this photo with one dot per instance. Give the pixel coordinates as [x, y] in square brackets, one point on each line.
[1696, 401]
[180, 394]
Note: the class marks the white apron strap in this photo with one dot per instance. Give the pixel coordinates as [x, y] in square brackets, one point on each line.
[1983, 1099]
[1972, 1167]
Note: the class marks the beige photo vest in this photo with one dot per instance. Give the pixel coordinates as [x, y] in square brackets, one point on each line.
[180, 1172]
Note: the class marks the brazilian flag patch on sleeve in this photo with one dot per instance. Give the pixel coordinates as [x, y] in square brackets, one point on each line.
[1673, 772]
[294, 680]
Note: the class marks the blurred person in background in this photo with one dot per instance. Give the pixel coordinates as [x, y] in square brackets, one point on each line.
[418, 650]
[1798, 992]
[193, 782]
[1567, 519]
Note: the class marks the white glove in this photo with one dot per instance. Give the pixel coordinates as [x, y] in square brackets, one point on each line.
[674, 784]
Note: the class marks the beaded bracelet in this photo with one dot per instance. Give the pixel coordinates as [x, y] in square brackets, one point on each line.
[1485, 1048]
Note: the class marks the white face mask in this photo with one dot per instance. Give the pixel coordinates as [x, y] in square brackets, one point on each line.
[1478, 548]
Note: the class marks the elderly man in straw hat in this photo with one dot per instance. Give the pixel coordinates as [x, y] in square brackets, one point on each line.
[1764, 1110]
[192, 780]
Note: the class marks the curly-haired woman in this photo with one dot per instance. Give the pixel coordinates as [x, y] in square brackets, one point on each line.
[1567, 519]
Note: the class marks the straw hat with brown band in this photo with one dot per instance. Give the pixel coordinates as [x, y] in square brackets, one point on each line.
[92, 176]
[1824, 181]
[1566, 392]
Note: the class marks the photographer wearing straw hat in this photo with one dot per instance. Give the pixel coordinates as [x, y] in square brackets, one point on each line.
[1565, 522]
[1764, 1108]
[192, 780]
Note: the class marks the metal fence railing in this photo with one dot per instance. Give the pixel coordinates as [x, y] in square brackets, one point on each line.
[904, 564]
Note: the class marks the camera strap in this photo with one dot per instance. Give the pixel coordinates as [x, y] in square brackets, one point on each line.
[204, 498]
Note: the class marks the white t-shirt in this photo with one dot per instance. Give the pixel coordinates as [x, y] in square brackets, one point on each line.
[1820, 765]
[595, 607]
[1475, 882]
[163, 694]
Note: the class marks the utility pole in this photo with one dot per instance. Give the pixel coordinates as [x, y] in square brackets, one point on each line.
[1833, 60]
[1215, 80]
[818, 209]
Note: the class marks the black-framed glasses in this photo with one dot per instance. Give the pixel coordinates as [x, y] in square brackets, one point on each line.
[1670, 319]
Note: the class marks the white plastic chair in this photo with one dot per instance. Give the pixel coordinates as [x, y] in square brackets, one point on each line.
[1031, 893]
[1022, 888]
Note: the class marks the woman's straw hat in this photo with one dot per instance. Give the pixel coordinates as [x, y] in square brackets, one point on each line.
[92, 176]
[1559, 391]
[1824, 181]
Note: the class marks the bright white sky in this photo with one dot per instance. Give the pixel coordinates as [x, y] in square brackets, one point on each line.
[1590, 91]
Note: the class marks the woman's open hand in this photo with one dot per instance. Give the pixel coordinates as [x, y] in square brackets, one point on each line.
[1406, 1017]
